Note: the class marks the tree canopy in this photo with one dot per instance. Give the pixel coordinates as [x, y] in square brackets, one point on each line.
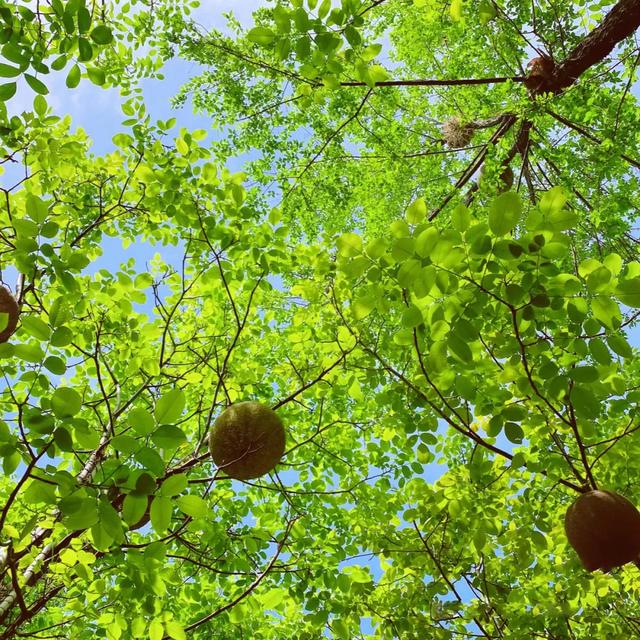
[427, 268]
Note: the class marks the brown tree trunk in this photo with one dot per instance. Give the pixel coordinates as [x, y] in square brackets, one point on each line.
[617, 25]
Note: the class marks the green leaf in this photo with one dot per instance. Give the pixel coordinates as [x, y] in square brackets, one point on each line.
[412, 317]
[619, 345]
[504, 213]
[142, 421]
[55, 365]
[606, 311]
[150, 459]
[100, 538]
[262, 36]
[486, 11]
[175, 630]
[102, 35]
[426, 241]
[410, 270]
[37, 85]
[628, 292]
[598, 280]
[145, 484]
[85, 50]
[174, 485]
[553, 201]
[37, 208]
[514, 432]
[35, 327]
[29, 352]
[7, 91]
[274, 597]
[125, 444]
[363, 306]
[341, 629]
[168, 436]
[7, 71]
[39, 422]
[97, 76]
[161, 511]
[561, 220]
[584, 374]
[599, 351]
[156, 630]
[84, 517]
[193, 506]
[16, 54]
[39, 492]
[61, 337]
[110, 521]
[460, 218]
[416, 211]
[133, 508]
[63, 439]
[460, 348]
[170, 406]
[349, 245]
[59, 63]
[584, 402]
[182, 146]
[376, 73]
[73, 77]
[455, 10]
[66, 402]
[84, 19]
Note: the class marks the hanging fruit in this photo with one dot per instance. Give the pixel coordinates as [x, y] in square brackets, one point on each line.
[604, 529]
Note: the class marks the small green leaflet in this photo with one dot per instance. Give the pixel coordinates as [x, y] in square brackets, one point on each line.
[168, 436]
[37, 85]
[455, 10]
[193, 506]
[142, 421]
[349, 245]
[174, 485]
[102, 35]
[416, 211]
[156, 631]
[504, 213]
[161, 510]
[628, 292]
[553, 201]
[36, 327]
[133, 508]
[262, 36]
[175, 630]
[170, 406]
[73, 77]
[66, 402]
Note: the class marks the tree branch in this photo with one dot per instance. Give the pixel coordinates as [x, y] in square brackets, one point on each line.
[617, 25]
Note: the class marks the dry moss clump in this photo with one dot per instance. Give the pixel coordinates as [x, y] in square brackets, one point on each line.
[604, 529]
[247, 440]
[456, 133]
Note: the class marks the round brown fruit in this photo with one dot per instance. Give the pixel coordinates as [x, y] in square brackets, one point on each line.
[9, 306]
[604, 529]
[247, 440]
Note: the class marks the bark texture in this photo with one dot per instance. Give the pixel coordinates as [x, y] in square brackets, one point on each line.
[617, 25]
